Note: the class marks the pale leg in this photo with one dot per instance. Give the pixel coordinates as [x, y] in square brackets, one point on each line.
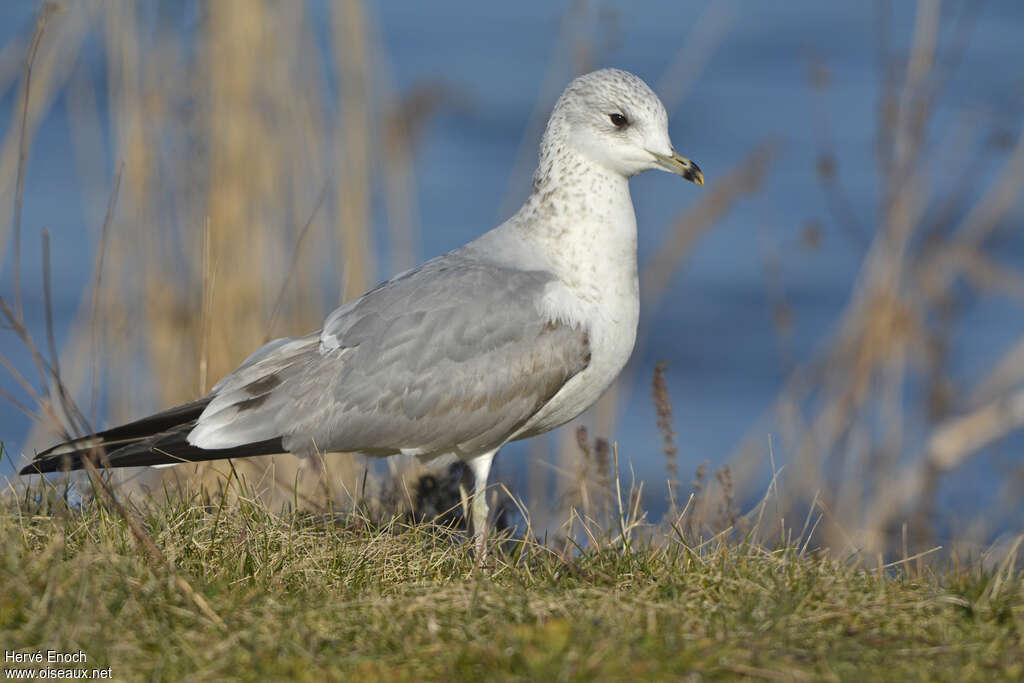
[464, 485]
[481, 467]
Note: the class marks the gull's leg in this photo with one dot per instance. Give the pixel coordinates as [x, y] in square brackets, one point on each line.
[481, 466]
[464, 483]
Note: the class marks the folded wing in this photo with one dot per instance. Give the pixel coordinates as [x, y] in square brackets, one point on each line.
[453, 356]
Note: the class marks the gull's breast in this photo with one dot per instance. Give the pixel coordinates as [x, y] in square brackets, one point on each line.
[611, 325]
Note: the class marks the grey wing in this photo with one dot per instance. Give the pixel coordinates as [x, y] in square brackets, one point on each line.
[453, 356]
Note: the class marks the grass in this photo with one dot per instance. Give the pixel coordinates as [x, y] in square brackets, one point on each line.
[314, 597]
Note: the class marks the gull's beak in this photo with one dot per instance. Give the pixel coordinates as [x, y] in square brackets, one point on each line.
[680, 165]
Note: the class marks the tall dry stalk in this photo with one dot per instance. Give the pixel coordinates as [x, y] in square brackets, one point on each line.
[665, 420]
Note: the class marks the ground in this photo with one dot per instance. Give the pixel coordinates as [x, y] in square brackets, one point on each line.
[203, 591]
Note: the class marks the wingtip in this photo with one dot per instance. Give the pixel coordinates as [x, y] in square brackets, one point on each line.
[46, 463]
[34, 467]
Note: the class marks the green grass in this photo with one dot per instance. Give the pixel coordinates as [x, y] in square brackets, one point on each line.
[314, 598]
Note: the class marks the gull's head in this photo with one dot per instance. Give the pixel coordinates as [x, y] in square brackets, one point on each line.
[614, 119]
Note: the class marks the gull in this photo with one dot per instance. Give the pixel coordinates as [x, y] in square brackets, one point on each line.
[504, 338]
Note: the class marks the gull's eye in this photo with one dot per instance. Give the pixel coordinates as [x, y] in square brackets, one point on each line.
[618, 120]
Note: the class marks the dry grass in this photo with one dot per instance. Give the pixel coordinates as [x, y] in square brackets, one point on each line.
[300, 596]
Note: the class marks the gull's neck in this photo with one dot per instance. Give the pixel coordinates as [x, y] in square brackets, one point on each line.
[567, 181]
[580, 214]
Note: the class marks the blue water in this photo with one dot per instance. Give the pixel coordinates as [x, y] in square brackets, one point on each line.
[715, 326]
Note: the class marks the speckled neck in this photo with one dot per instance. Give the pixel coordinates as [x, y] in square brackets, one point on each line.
[572, 193]
[580, 215]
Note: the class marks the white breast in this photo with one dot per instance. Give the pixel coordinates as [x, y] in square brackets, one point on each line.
[611, 326]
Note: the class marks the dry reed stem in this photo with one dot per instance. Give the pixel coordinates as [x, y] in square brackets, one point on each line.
[352, 59]
[663, 411]
[19, 191]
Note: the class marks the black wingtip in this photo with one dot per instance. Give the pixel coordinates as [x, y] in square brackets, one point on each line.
[53, 463]
[36, 467]
[169, 448]
[74, 452]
